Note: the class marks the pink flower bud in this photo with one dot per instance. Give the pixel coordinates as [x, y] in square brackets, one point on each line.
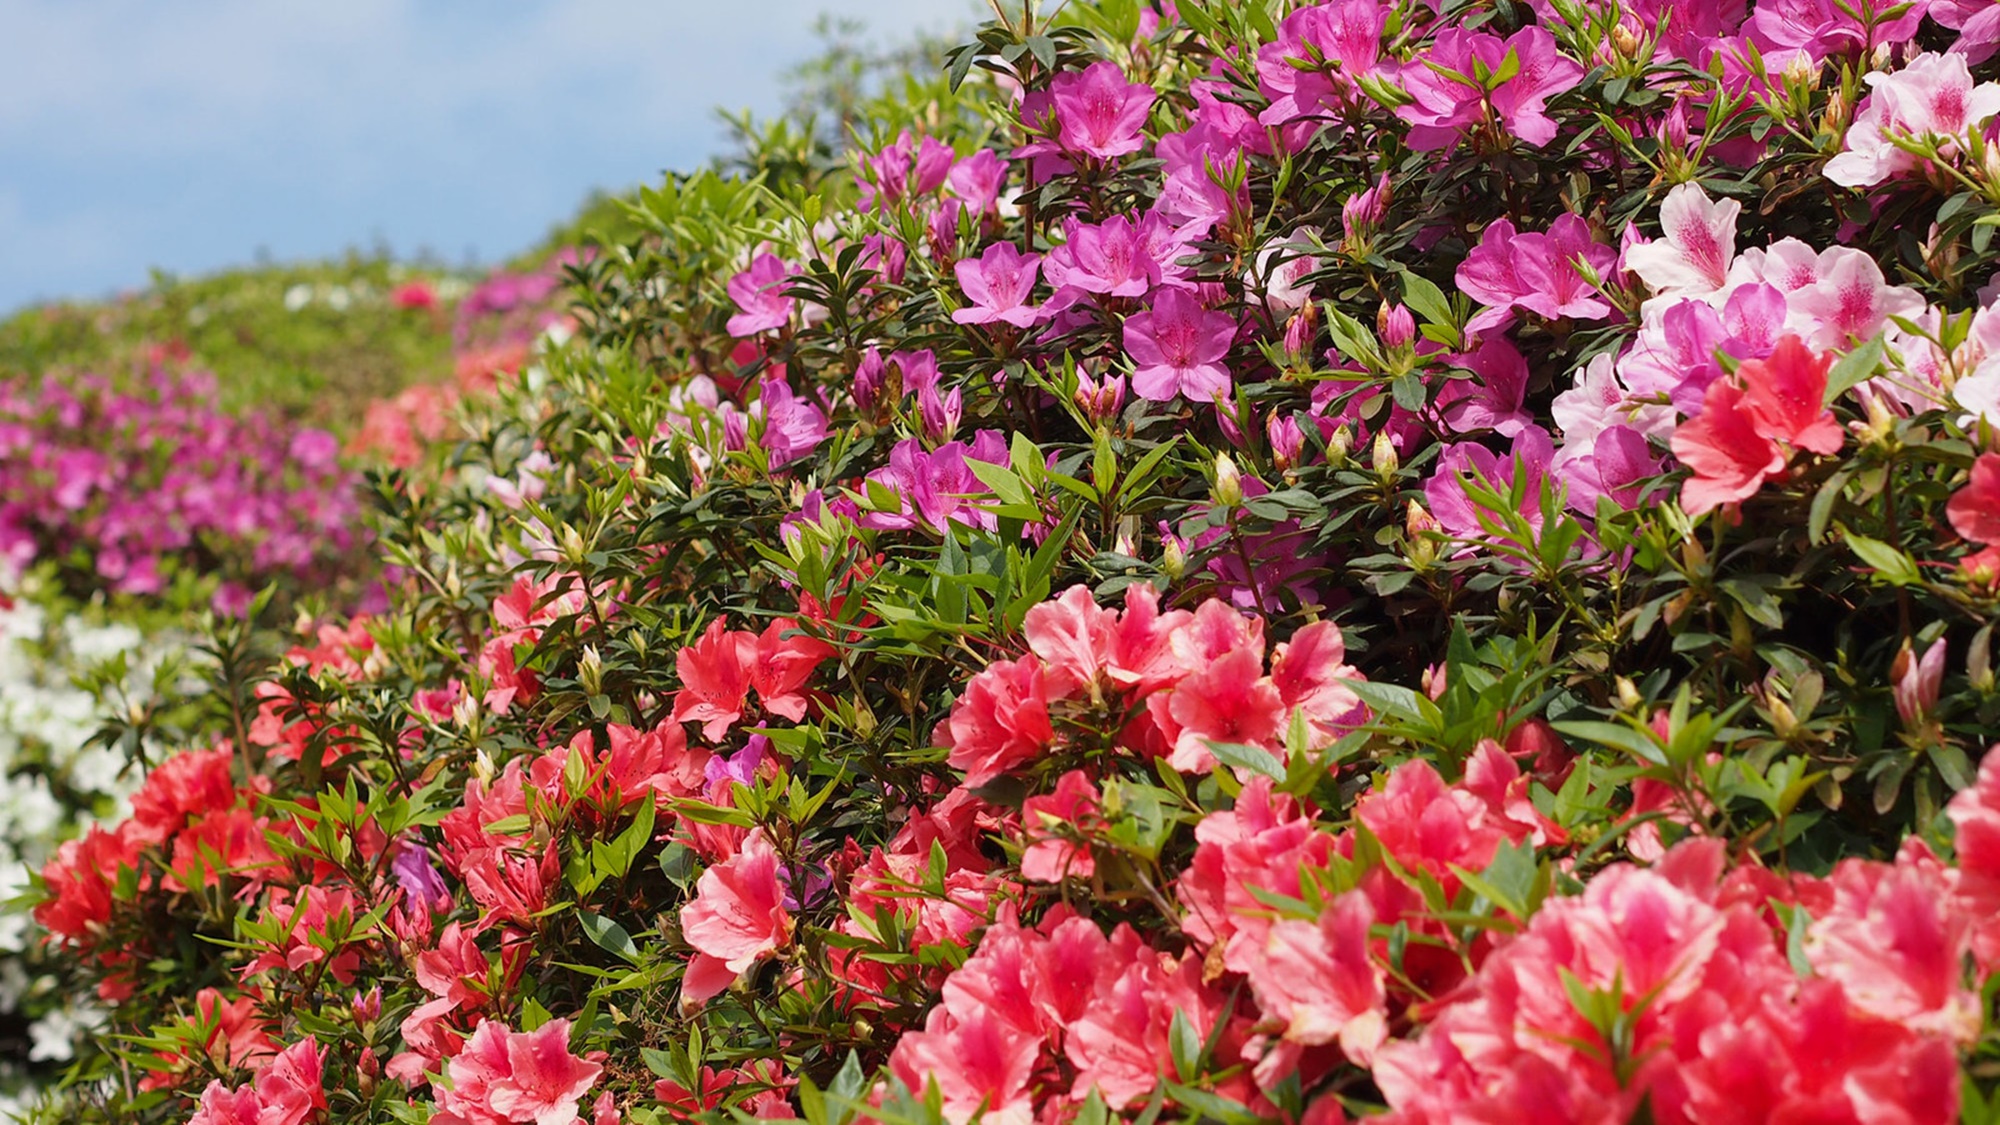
[1287, 441]
[940, 415]
[1917, 681]
[367, 1007]
[1397, 327]
[868, 380]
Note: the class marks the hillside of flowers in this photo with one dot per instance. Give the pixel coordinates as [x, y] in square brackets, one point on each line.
[146, 483]
[1292, 562]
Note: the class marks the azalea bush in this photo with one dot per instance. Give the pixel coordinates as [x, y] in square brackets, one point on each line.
[1238, 562]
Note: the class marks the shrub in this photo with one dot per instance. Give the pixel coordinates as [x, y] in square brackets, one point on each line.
[1253, 562]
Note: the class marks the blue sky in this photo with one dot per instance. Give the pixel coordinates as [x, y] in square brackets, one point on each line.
[191, 135]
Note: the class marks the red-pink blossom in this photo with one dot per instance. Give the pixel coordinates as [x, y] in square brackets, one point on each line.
[1001, 721]
[1974, 510]
[1050, 821]
[504, 1076]
[736, 917]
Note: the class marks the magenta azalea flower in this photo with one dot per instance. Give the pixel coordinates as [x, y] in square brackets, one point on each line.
[1178, 347]
[758, 292]
[1098, 112]
[1447, 102]
[998, 285]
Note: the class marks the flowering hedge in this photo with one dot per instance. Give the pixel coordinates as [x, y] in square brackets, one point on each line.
[1248, 562]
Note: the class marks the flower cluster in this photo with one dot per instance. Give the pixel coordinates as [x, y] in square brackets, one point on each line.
[134, 484]
[1354, 559]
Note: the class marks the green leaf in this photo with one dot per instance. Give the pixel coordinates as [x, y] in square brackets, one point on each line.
[1256, 759]
[1890, 564]
[1426, 298]
[1640, 745]
[609, 935]
[1853, 368]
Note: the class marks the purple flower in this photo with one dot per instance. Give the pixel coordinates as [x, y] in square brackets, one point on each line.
[936, 488]
[1178, 348]
[1493, 400]
[1099, 113]
[419, 879]
[793, 426]
[1536, 272]
[998, 285]
[978, 179]
[1112, 259]
[757, 292]
[1453, 88]
[1310, 70]
[1528, 464]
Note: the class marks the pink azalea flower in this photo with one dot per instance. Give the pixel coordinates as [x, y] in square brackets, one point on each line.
[1112, 259]
[978, 179]
[979, 1062]
[1312, 675]
[1974, 510]
[1536, 272]
[1699, 243]
[757, 291]
[1120, 1044]
[501, 1076]
[1932, 96]
[1338, 42]
[793, 426]
[1001, 721]
[1896, 946]
[1447, 104]
[1281, 269]
[1320, 981]
[1730, 459]
[1975, 813]
[1099, 113]
[1051, 857]
[1528, 462]
[1177, 347]
[936, 488]
[1609, 463]
[736, 917]
[998, 284]
[1493, 400]
[287, 1092]
[1977, 23]
[1851, 300]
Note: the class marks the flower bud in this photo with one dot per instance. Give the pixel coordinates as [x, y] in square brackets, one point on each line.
[1625, 41]
[1628, 696]
[1173, 558]
[367, 1068]
[1339, 446]
[573, 547]
[1100, 400]
[1287, 441]
[940, 415]
[868, 380]
[1301, 330]
[1784, 722]
[1917, 681]
[1396, 327]
[1382, 456]
[367, 1007]
[1228, 490]
[590, 670]
[735, 430]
